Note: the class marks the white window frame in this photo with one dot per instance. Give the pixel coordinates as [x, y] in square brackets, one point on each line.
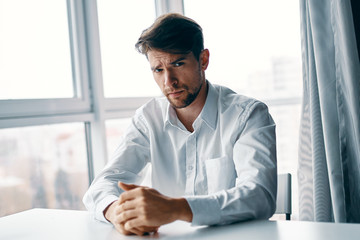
[89, 104]
[109, 108]
[49, 107]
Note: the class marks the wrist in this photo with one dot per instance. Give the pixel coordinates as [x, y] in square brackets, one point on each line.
[108, 211]
[183, 210]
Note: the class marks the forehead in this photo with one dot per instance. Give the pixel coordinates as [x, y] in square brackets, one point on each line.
[160, 57]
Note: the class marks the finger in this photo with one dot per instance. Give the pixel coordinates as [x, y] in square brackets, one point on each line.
[131, 194]
[127, 215]
[126, 196]
[127, 205]
[136, 203]
[127, 187]
[134, 223]
[119, 209]
[136, 231]
[144, 230]
[120, 228]
[140, 232]
[148, 229]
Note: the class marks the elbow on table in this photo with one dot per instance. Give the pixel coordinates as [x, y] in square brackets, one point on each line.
[267, 207]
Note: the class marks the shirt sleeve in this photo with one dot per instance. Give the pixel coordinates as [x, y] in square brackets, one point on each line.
[254, 157]
[126, 165]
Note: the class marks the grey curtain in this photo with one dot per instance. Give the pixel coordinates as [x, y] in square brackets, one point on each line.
[329, 146]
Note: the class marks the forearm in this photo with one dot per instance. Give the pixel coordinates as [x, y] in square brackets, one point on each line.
[232, 205]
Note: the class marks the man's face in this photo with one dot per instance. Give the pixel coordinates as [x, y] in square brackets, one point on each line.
[179, 76]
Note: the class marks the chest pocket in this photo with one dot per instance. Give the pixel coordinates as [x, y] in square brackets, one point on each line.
[220, 174]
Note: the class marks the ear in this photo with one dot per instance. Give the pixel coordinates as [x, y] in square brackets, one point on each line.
[204, 59]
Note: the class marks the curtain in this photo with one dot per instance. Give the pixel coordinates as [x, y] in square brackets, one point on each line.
[329, 144]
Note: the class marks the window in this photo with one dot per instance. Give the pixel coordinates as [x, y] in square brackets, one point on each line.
[42, 166]
[44, 103]
[126, 72]
[115, 129]
[43, 65]
[35, 59]
[55, 76]
[52, 107]
[255, 50]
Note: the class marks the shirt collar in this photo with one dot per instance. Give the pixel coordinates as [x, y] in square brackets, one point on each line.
[170, 116]
[210, 110]
[208, 114]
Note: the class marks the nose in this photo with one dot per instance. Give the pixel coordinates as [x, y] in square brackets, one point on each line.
[169, 78]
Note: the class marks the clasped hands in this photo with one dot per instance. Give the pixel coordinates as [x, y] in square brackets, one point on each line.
[141, 210]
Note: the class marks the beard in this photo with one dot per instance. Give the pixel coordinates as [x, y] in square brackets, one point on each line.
[190, 96]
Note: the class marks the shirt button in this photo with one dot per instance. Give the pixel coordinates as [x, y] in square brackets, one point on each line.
[190, 168]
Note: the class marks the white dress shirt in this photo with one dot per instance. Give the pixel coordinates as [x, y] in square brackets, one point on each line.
[226, 168]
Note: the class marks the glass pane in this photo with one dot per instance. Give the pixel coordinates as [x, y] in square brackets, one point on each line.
[35, 57]
[115, 129]
[126, 72]
[287, 119]
[42, 166]
[254, 45]
[255, 50]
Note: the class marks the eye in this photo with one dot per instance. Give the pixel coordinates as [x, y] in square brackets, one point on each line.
[178, 64]
[157, 70]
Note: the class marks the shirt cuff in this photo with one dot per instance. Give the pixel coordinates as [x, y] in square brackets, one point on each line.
[205, 209]
[100, 207]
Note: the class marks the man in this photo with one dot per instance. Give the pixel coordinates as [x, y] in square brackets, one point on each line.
[213, 152]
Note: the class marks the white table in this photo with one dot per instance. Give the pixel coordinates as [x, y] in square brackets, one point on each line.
[66, 225]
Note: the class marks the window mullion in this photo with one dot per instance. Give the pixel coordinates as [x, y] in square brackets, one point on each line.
[78, 50]
[166, 6]
[97, 127]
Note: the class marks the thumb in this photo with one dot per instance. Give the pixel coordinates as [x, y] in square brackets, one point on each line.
[127, 187]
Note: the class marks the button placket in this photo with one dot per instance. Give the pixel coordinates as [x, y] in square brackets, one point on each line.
[190, 164]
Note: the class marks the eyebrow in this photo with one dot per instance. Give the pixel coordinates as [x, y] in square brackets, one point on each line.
[178, 60]
[172, 63]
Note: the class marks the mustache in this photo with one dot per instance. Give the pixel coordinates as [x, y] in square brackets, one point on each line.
[175, 89]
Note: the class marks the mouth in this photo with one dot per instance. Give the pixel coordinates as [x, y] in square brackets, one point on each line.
[175, 94]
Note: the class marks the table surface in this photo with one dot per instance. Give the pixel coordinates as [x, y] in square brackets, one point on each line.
[68, 224]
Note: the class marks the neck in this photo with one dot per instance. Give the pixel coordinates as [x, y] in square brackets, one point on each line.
[188, 115]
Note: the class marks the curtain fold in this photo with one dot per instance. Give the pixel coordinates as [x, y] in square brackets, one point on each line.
[329, 146]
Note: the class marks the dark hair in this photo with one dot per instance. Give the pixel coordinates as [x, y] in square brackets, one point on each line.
[172, 33]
